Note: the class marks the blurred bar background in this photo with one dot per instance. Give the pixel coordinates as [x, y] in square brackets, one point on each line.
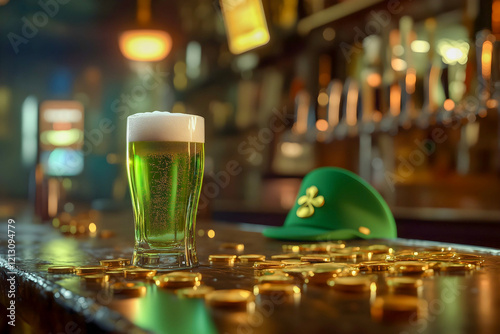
[404, 93]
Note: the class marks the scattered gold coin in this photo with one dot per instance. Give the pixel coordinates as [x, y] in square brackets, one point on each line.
[380, 249]
[276, 289]
[403, 284]
[234, 246]
[115, 273]
[290, 248]
[222, 259]
[315, 258]
[115, 263]
[139, 273]
[280, 257]
[268, 265]
[372, 266]
[455, 267]
[195, 292]
[231, 298]
[61, 269]
[342, 257]
[275, 279]
[129, 289]
[350, 284]
[295, 262]
[392, 308]
[246, 258]
[267, 272]
[178, 280]
[89, 270]
[96, 279]
[410, 267]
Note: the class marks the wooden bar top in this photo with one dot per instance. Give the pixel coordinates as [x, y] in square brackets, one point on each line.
[49, 303]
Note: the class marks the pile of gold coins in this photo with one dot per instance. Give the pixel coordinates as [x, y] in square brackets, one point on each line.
[80, 225]
[391, 278]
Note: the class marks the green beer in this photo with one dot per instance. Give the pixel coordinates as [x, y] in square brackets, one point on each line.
[165, 178]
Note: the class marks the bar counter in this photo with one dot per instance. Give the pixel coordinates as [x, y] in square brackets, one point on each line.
[51, 303]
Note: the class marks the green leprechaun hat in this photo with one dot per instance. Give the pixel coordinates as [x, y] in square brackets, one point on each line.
[335, 204]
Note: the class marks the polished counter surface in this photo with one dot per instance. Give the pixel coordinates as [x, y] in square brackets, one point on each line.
[48, 303]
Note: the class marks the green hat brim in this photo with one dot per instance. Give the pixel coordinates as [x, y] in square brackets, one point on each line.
[311, 233]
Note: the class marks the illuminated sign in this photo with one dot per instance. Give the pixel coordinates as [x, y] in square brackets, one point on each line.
[61, 125]
[61, 137]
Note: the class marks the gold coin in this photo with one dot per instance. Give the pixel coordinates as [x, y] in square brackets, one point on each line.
[96, 279]
[396, 284]
[374, 266]
[89, 270]
[222, 258]
[115, 273]
[267, 272]
[275, 279]
[315, 258]
[410, 267]
[139, 273]
[280, 257]
[231, 298]
[178, 280]
[129, 289]
[350, 284]
[61, 269]
[195, 292]
[299, 273]
[320, 277]
[474, 259]
[295, 262]
[392, 308]
[112, 263]
[268, 265]
[290, 248]
[246, 258]
[234, 246]
[456, 266]
[276, 289]
[341, 257]
[379, 249]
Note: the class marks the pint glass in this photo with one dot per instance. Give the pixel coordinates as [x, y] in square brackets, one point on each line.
[165, 170]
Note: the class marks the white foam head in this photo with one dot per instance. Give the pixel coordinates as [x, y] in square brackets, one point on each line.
[165, 126]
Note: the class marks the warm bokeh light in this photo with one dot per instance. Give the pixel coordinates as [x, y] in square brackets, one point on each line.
[145, 44]
[395, 100]
[374, 79]
[377, 116]
[491, 103]
[211, 234]
[420, 46]
[410, 80]
[398, 64]
[486, 55]
[291, 150]
[448, 104]
[322, 125]
[453, 51]
[245, 25]
[323, 99]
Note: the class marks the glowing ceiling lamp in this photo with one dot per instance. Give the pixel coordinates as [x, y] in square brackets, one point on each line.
[245, 23]
[145, 44]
